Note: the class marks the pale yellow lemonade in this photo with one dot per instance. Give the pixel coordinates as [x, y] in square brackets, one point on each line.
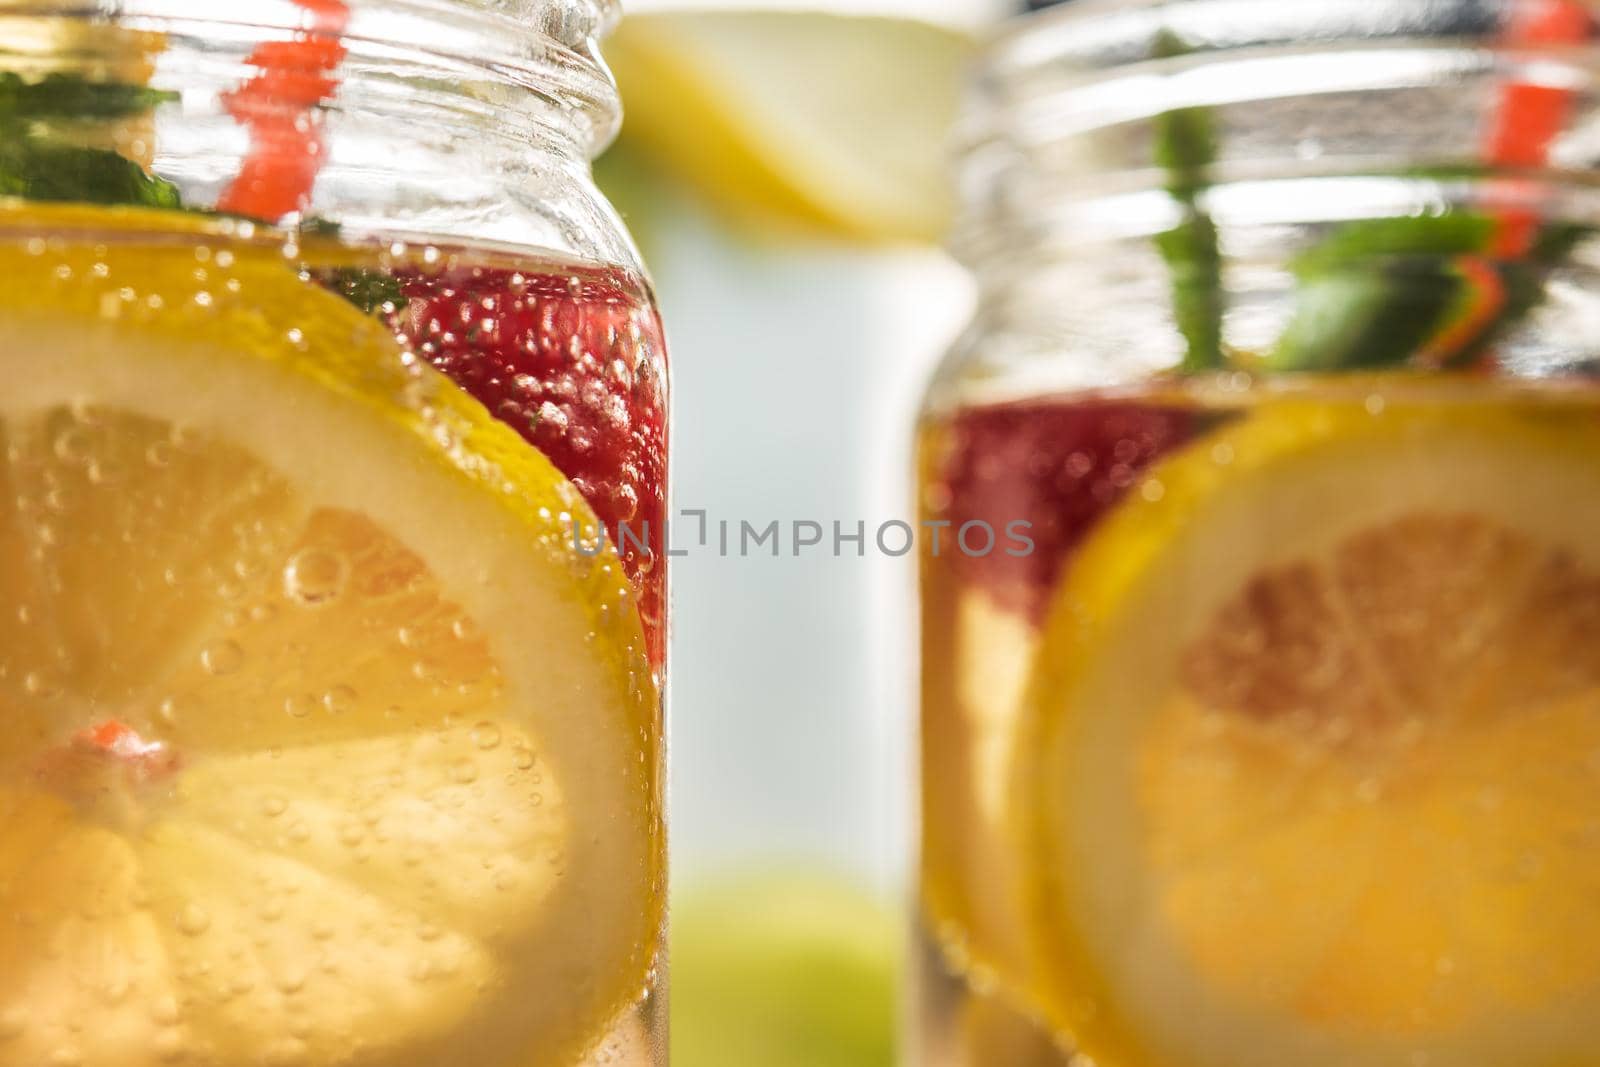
[322, 743]
[1284, 749]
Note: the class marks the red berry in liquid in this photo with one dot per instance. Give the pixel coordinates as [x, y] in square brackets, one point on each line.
[575, 363]
[1056, 465]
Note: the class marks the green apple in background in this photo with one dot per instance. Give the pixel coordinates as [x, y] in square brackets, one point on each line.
[774, 971]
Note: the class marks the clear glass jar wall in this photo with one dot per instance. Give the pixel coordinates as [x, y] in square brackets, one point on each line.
[1272, 741]
[332, 629]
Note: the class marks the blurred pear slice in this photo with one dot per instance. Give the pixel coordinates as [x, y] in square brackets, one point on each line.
[808, 121]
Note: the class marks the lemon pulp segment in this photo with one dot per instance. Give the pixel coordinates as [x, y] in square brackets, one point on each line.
[1314, 736]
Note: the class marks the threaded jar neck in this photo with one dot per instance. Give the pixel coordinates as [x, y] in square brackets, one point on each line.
[1100, 132]
[461, 119]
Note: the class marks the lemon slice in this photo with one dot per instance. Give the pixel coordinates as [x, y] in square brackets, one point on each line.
[812, 120]
[321, 744]
[1314, 742]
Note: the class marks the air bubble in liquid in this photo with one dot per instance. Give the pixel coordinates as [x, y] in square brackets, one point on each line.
[71, 445]
[193, 920]
[37, 685]
[339, 699]
[224, 657]
[314, 577]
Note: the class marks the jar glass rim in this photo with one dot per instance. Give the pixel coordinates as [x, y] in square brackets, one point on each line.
[548, 47]
[1103, 34]
[1033, 62]
[1060, 109]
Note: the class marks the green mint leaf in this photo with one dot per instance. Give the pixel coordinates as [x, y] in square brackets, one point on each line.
[1373, 240]
[1373, 292]
[35, 169]
[37, 163]
[1378, 292]
[1194, 265]
[36, 166]
[317, 226]
[70, 96]
[1186, 148]
[372, 291]
[1364, 318]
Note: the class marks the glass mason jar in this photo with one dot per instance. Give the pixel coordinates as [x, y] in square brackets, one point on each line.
[331, 592]
[1269, 731]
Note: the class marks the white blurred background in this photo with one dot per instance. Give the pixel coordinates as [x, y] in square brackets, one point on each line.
[788, 180]
[798, 371]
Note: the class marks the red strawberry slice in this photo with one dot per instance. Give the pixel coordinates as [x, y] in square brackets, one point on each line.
[1056, 465]
[106, 768]
[576, 364]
